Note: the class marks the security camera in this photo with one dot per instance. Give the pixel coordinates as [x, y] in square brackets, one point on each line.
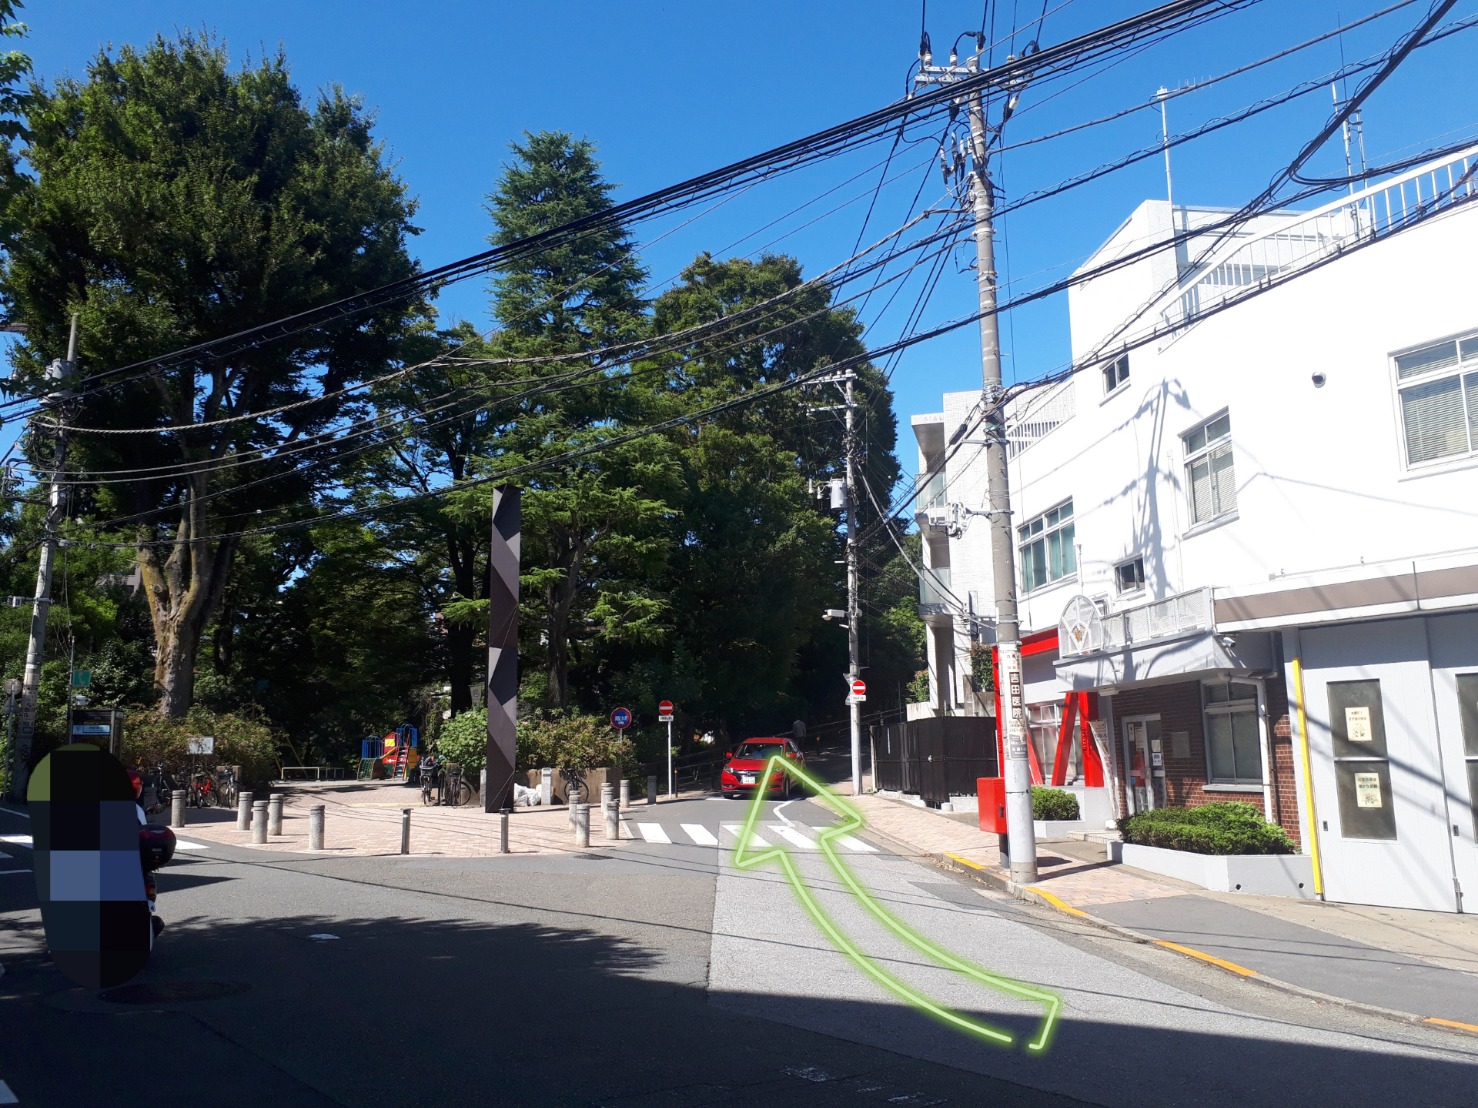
[1227, 641]
[1319, 380]
[834, 613]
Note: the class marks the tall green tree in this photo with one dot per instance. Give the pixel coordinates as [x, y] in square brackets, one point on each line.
[592, 530]
[15, 67]
[177, 201]
[756, 554]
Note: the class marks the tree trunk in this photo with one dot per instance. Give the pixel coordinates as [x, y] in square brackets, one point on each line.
[184, 587]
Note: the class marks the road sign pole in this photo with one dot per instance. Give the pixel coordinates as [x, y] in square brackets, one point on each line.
[669, 756]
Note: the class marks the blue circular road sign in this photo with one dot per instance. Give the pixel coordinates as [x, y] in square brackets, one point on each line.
[621, 719]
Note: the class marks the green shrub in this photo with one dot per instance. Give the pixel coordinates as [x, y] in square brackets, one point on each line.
[1227, 827]
[572, 741]
[149, 739]
[1053, 804]
[562, 741]
[464, 741]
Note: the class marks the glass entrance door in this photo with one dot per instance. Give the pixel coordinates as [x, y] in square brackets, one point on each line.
[1145, 783]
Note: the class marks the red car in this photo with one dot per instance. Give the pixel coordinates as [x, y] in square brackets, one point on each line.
[745, 767]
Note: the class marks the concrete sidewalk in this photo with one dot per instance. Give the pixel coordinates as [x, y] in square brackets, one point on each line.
[1418, 966]
[364, 818]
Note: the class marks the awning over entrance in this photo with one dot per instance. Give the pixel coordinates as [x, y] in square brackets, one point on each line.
[1195, 655]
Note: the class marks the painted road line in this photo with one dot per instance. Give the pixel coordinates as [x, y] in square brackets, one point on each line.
[700, 834]
[181, 844]
[852, 842]
[16, 840]
[791, 835]
[653, 832]
[1060, 905]
[6, 1096]
[1451, 1023]
[1203, 956]
[733, 830]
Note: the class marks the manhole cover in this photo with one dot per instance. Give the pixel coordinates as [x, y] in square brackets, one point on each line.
[594, 857]
[173, 992]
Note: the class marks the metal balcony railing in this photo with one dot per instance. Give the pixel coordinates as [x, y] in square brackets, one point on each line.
[935, 599]
[1181, 614]
[1038, 416]
[1367, 215]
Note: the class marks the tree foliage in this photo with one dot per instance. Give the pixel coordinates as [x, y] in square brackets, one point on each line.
[176, 201]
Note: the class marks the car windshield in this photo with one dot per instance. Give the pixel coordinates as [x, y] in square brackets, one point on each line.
[760, 750]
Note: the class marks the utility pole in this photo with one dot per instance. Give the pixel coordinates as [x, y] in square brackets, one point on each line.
[854, 612]
[57, 375]
[1021, 835]
[847, 381]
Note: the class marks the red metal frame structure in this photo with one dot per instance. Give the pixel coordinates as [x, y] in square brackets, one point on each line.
[1079, 708]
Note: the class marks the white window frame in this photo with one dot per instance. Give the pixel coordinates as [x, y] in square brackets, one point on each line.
[1116, 375]
[1038, 530]
[1207, 451]
[1119, 588]
[1418, 369]
[1245, 706]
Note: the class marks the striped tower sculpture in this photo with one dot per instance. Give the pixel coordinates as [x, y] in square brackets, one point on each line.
[502, 698]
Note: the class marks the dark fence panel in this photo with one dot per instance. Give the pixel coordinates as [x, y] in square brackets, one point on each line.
[936, 758]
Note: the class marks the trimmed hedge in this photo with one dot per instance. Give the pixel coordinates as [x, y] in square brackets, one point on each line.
[1055, 804]
[1226, 827]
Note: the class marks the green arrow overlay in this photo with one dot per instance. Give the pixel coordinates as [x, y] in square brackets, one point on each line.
[746, 857]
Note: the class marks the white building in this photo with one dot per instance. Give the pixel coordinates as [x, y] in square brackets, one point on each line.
[1249, 525]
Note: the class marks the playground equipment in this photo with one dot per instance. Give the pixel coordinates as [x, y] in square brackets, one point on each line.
[394, 755]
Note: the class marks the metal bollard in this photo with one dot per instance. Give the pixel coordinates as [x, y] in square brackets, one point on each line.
[274, 814]
[243, 812]
[503, 831]
[625, 794]
[405, 830]
[652, 789]
[582, 825]
[259, 822]
[613, 821]
[315, 827]
[177, 809]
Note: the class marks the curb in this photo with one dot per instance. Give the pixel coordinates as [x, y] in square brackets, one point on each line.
[1001, 883]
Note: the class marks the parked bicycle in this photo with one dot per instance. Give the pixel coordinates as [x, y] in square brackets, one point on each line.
[576, 791]
[226, 787]
[431, 775]
[455, 790]
[201, 792]
[163, 790]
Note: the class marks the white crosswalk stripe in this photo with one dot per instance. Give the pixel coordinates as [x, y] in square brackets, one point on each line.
[700, 834]
[765, 835]
[732, 830]
[791, 835]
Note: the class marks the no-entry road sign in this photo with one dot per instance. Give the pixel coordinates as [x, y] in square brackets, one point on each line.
[621, 719]
[664, 710]
[859, 690]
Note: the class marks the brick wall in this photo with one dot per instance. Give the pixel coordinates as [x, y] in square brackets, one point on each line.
[1179, 709]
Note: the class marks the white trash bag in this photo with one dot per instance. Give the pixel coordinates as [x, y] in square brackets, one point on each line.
[526, 796]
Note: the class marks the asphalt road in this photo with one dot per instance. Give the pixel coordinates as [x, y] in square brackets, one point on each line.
[654, 974]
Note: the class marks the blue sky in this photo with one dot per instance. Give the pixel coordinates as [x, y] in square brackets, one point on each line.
[668, 90]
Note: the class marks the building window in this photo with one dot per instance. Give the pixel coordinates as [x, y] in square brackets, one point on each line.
[1233, 746]
[1115, 373]
[1129, 576]
[1047, 551]
[1044, 722]
[1438, 386]
[1210, 480]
